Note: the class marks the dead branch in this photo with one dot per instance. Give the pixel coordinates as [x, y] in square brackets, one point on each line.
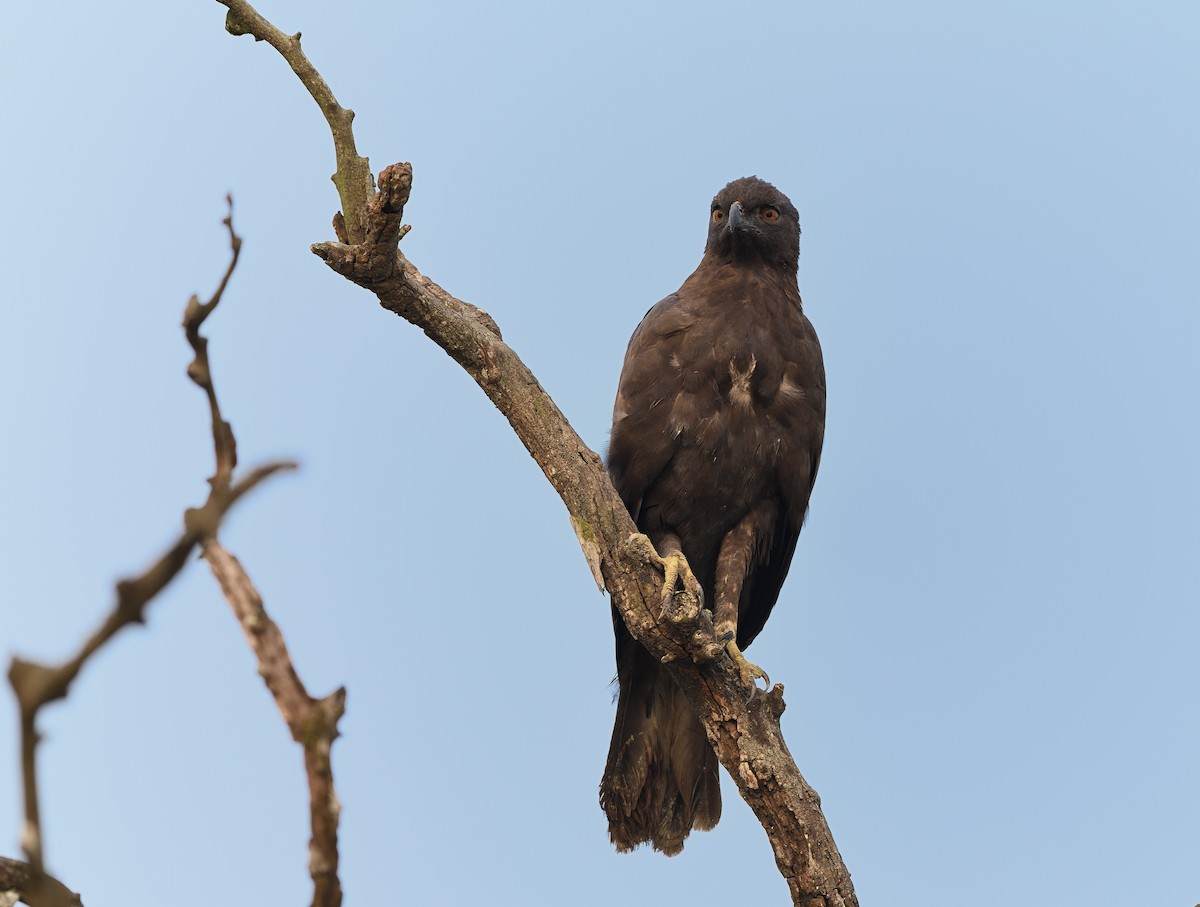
[18, 880]
[353, 174]
[313, 722]
[36, 684]
[742, 726]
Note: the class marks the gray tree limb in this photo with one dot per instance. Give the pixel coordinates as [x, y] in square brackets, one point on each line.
[741, 724]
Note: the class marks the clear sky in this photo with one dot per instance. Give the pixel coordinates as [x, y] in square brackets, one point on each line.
[989, 634]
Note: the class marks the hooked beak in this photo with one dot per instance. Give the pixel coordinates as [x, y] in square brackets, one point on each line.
[737, 218]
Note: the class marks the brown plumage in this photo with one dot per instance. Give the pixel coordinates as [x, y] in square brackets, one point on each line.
[716, 437]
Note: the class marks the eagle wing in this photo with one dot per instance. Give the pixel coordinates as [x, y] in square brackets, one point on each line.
[641, 446]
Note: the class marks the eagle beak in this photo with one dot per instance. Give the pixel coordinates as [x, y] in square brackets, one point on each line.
[737, 218]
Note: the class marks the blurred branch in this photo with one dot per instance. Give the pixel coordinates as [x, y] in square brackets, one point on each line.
[313, 722]
[37, 890]
[742, 725]
[194, 316]
[37, 685]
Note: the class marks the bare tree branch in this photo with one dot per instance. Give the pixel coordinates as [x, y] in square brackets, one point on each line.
[353, 174]
[37, 890]
[313, 722]
[741, 724]
[36, 684]
[199, 371]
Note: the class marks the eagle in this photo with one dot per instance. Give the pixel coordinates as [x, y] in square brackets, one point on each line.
[716, 438]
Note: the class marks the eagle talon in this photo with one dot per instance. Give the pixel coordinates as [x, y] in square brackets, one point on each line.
[749, 672]
[676, 572]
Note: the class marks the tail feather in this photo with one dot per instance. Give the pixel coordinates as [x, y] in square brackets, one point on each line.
[661, 779]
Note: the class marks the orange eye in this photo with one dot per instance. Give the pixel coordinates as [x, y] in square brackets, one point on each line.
[718, 215]
[770, 215]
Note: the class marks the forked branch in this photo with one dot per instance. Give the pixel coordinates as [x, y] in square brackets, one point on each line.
[37, 685]
[743, 727]
[312, 722]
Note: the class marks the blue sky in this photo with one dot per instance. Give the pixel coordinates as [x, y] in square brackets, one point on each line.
[988, 636]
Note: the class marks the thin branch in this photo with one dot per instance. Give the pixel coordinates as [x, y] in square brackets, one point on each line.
[37, 685]
[353, 174]
[194, 317]
[742, 726]
[313, 722]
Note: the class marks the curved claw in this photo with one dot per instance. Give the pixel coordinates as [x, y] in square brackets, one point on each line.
[674, 566]
[750, 673]
[675, 571]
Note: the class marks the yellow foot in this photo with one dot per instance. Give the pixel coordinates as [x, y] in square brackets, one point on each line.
[676, 572]
[749, 672]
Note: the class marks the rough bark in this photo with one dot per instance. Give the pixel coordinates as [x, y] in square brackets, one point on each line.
[741, 723]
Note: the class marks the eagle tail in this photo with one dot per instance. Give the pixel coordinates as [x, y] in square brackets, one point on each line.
[661, 780]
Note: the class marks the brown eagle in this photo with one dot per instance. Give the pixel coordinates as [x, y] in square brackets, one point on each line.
[716, 437]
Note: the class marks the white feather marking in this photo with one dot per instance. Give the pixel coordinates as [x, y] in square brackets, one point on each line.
[739, 390]
[790, 390]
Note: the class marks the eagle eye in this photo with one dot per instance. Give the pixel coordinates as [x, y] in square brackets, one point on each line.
[770, 214]
[718, 215]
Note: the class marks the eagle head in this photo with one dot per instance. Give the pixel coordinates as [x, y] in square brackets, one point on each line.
[752, 220]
